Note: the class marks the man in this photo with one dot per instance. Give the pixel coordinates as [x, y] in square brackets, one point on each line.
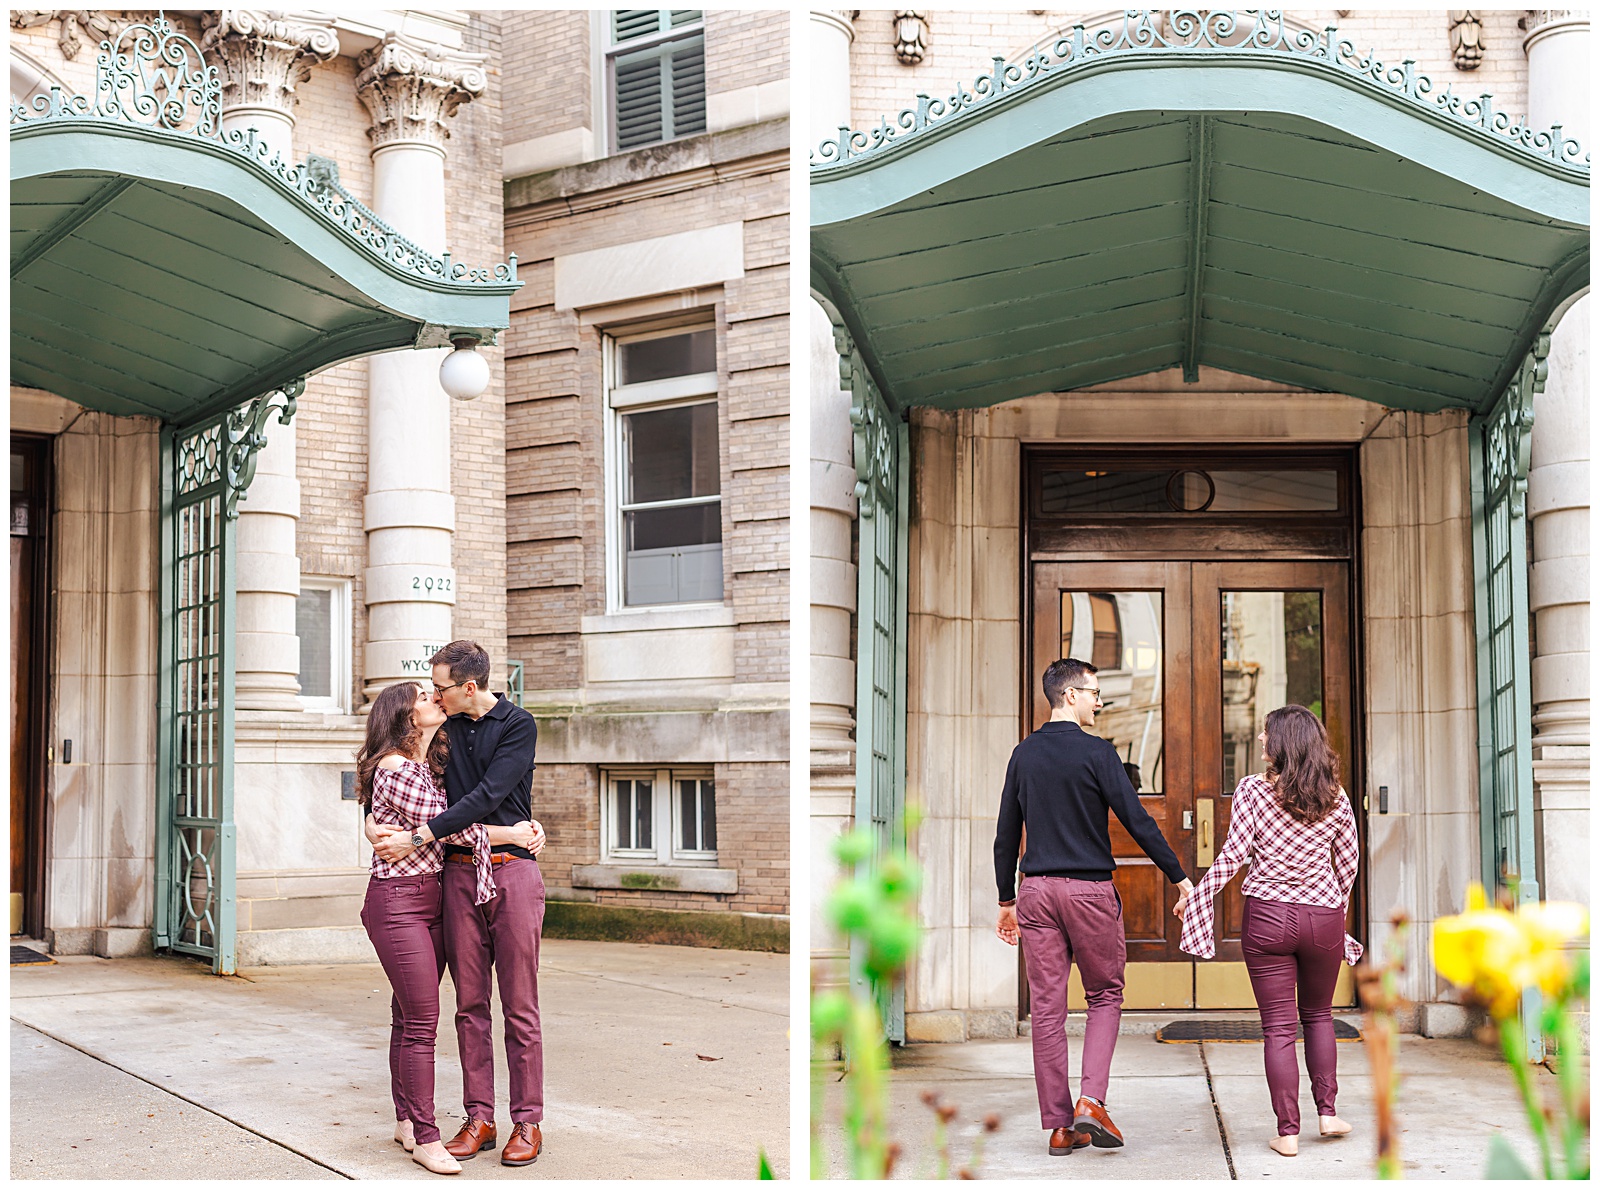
[489, 779]
[1060, 784]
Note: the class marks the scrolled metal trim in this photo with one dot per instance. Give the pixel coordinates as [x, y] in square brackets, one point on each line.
[245, 430]
[1261, 33]
[1508, 440]
[159, 55]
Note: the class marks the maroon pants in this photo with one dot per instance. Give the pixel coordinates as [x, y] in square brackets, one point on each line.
[500, 936]
[1063, 921]
[1293, 954]
[402, 917]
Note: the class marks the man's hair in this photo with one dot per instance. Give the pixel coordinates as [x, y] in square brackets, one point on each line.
[1069, 671]
[467, 660]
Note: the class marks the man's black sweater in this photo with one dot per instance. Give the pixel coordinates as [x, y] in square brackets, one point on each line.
[1061, 782]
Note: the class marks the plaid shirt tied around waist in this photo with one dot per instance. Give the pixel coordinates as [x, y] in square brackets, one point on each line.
[407, 797]
[1290, 861]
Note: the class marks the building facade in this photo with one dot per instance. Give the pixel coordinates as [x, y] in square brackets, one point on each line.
[1175, 342]
[375, 521]
[647, 483]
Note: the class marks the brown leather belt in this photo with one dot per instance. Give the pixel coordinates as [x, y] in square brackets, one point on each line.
[467, 859]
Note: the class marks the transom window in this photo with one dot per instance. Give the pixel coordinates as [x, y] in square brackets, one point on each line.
[668, 469]
[659, 816]
[656, 65]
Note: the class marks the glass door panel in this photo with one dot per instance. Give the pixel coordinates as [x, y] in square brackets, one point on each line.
[1268, 634]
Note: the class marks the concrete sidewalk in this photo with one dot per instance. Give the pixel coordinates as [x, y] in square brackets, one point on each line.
[1201, 1111]
[154, 1068]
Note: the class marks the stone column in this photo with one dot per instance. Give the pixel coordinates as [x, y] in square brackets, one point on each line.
[1558, 506]
[833, 511]
[261, 57]
[410, 90]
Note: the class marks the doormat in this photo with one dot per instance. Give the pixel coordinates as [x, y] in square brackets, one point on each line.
[22, 956]
[1180, 1031]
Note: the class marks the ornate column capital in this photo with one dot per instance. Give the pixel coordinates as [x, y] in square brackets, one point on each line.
[412, 87]
[1541, 22]
[842, 19]
[262, 56]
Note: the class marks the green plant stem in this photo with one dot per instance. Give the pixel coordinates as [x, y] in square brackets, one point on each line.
[1511, 1044]
[819, 1159]
[866, 1091]
[1571, 1078]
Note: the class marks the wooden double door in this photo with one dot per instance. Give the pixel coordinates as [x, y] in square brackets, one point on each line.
[1191, 656]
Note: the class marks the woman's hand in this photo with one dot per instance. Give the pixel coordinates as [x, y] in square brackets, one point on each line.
[1182, 905]
[528, 835]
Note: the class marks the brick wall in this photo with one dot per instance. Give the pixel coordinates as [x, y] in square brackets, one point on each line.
[549, 89]
[746, 48]
[961, 44]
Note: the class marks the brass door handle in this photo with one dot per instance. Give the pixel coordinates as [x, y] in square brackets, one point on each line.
[1205, 845]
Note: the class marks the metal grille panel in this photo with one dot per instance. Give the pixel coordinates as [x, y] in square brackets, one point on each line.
[1501, 443]
[195, 861]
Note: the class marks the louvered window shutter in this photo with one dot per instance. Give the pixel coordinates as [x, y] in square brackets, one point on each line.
[659, 88]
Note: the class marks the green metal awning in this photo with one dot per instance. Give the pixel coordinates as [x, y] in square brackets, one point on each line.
[1244, 197]
[162, 267]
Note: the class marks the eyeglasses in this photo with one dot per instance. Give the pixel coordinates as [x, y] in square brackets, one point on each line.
[438, 689]
[1094, 690]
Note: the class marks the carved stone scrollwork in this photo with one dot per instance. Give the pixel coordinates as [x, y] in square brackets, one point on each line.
[874, 433]
[910, 37]
[96, 24]
[1510, 438]
[262, 56]
[246, 435]
[1466, 39]
[411, 88]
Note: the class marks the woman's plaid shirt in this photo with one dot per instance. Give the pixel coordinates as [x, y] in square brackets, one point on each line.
[1289, 861]
[408, 796]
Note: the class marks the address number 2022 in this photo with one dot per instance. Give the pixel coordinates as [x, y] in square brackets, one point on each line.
[419, 583]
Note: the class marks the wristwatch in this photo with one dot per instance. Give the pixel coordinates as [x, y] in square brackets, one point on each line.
[416, 839]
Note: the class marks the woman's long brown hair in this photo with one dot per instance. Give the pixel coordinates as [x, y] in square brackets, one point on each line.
[390, 731]
[1301, 766]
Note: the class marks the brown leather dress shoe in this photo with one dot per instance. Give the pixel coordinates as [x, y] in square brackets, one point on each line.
[522, 1146]
[1064, 1140]
[474, 1135]
[1091, 1119]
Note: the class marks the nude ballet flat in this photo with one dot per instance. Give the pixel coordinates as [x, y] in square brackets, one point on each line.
[1333, 1126]
[404, 1136]
[436, 1163]
[1285, 1146]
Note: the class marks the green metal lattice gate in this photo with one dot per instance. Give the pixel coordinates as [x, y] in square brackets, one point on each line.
[205, 471]
[881, 455]
[1501, 441]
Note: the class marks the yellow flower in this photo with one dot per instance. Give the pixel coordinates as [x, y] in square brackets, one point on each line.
[1497, 954]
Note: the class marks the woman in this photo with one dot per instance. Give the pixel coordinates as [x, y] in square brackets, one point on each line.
[1295, 827]
[398, 773]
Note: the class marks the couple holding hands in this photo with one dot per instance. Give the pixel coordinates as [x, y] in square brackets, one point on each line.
[446, 777]
[1294, 826]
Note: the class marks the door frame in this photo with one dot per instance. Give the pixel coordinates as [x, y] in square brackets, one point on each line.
[1204, 537]
[41, 664]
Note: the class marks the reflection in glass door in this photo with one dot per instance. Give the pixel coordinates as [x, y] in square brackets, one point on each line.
[1119, 632]
[1271, 657]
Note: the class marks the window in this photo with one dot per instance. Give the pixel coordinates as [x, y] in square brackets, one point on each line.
[322, 622]
[659, 816]
[656, 66]
[668, 469]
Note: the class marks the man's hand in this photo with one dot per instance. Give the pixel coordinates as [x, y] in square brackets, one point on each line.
[1185, 891]
[1006, 927]
[394, 846]
[375, 830]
